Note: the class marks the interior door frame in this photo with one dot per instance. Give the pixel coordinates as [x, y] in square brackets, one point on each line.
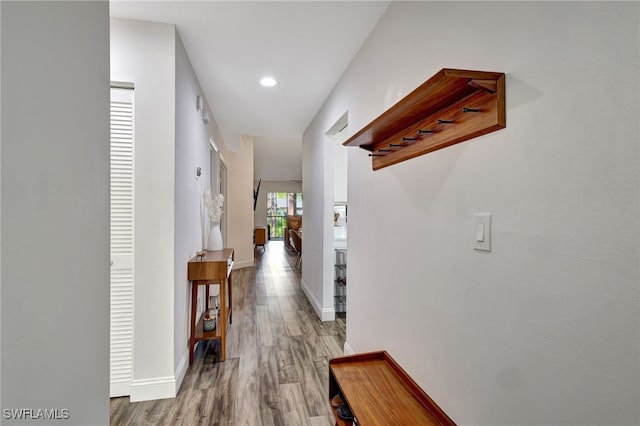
[218, 181]
[223, 191]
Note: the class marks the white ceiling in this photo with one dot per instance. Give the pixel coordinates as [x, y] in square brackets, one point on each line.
[305, 45]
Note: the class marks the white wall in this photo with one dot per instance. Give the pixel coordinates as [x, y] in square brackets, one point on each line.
[0, 208]
[192, 151]
[278, 159]
[55, 209]
[318, 256]
[239, 203]
[143, 53]
[543, 330]
[260, 214]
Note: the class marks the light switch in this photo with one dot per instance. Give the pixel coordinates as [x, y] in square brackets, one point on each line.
[482, 231]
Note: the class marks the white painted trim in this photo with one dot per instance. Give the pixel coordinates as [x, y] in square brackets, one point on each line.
[119, 389]
[242, 264]
[213, 145]
[181, 371]
[328, 314]
[150, 389]
[325, 314]
[122, 85]
[348, 350]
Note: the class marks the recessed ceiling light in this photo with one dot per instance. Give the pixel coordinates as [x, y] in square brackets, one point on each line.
[268, 81]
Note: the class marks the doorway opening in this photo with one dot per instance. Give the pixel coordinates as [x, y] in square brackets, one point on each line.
[218, 180]
[279, 206]
[337, 135]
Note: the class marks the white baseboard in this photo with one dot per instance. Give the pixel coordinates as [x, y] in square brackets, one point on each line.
[239, 264]
[325, 314]
[119, 389]
[151, 389]
[348, 350]
[181, 371]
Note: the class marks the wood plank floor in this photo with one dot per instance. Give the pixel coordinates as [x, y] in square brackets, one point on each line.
[276, 371]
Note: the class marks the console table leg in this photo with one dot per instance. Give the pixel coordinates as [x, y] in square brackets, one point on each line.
[194, 307]
[230, 299]
[222, 318]
[206, 298]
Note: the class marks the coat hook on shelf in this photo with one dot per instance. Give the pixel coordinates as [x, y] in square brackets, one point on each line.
[451, 107]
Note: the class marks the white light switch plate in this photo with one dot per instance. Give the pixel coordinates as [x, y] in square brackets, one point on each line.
[482, 231]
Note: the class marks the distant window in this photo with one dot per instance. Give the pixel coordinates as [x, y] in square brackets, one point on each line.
[279, 205]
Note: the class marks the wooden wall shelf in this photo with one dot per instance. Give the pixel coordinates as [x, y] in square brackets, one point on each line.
[451, 107]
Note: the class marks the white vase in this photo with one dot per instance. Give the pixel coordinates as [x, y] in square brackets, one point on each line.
[215, 237]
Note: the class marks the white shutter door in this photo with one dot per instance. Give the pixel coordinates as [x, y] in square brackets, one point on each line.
[121, 358]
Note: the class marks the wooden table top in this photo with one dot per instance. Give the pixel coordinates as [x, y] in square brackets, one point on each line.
[214, 256]
[214, 266]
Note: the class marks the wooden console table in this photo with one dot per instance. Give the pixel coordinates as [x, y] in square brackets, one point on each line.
[379, 392]
[215, 268]
[259, 236]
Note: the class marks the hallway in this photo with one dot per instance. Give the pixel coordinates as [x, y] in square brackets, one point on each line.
[276, 369]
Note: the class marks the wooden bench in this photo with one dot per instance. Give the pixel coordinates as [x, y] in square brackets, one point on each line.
[379, 392]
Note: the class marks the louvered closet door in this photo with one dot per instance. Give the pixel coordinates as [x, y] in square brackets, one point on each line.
[121, 241]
